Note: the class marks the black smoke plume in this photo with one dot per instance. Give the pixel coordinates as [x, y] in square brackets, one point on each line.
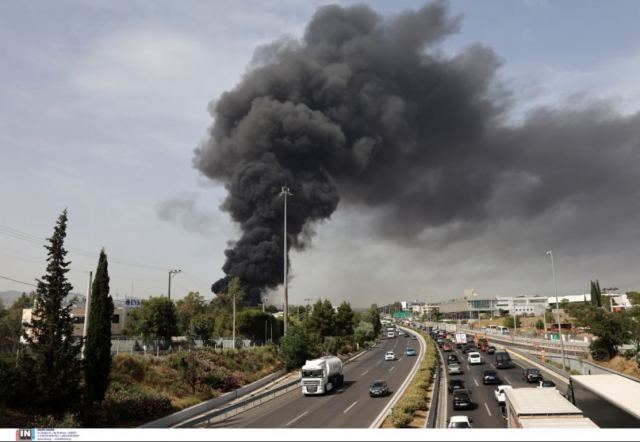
[368, 109]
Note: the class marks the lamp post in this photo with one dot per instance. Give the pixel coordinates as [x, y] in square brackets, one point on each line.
[555, 285]
[171, 273]
[284, 192]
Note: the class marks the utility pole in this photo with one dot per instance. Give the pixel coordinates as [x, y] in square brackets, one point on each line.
[86, 314]
[553, 270]
[285, 193]
[234, 319]
[171, 273]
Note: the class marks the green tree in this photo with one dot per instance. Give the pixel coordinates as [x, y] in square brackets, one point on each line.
[187, 308]
[11, 323]
[201, 326]
[634, 297]
[322, 320]
[364, 332]
[539, 324]
[596, 294]
[252, 324]
[395, 307]
[156, 318]
[344, 319]
[97, 350]
[52, 361]
[295, 347]
[508, 322]
[633, 326]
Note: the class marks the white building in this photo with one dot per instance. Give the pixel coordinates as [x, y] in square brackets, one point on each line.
[426, 309]
[522, 304]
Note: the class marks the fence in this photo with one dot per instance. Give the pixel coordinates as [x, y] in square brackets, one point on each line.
[156, 347]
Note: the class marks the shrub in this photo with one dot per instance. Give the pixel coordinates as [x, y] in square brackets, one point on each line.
[599, 350]
[134, 403]
[630, 354]
[129, 366]
[49, 421]
[400, 418]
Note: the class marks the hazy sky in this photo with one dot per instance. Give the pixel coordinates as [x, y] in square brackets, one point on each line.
[103, 103]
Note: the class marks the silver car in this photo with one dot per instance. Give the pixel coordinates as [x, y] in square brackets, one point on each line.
[454, 368]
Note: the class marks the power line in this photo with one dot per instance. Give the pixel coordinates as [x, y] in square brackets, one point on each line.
[19, 282]
[24, 236]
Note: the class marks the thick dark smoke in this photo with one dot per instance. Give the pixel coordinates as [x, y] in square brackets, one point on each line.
[367, 109]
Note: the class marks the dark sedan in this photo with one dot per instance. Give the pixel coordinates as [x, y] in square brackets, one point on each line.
[491, 350]
[490, 377]
[378, 389]
[456, 384]
[531, 375]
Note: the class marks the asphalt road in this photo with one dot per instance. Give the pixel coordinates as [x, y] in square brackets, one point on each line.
[347, 407]
[487, 413]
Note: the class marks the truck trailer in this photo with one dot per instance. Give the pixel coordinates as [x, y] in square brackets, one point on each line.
[319, 376]
[610, 400]
[527, 405]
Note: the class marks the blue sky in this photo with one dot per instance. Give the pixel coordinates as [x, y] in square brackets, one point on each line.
[102, 104]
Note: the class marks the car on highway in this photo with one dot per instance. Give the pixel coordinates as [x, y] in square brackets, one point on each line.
[446, 347]
[503, 359]
[469, 349]
[453, 358]
[378, 389]
[440, 342]
[389, 356]
[501, 398]
[454, 368]
[474, 358]
[491, 350]
[414, 337]
[459, 422]
[410, 352]
[531, 375]
[462, 399]
[546, 383]
[401, 333]
[456, 384]
[490, 377]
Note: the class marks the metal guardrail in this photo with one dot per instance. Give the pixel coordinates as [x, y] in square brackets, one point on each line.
[435, 397]
[239, 407]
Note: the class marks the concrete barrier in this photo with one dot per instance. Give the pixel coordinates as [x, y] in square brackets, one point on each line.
[195, 410]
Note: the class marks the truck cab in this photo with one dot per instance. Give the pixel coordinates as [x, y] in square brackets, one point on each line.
[319, 376]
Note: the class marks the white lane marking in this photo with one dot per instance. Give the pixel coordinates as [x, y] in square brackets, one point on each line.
[391, 368]
[378, 363]
[365, 372]
[298, 418]
[340, 391]
[487, 407]
[350, 407]
[476, 382]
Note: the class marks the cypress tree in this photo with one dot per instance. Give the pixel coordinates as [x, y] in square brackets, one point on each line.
[52, 361]
[598, 294]
[97, 351]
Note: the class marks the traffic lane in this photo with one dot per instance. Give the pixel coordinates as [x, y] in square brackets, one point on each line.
[355, 409]
[288, 408]
[486, 413]
[295, 405]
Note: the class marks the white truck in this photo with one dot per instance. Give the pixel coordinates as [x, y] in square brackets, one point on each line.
[461, 339]
[542, 408]
[319, 376]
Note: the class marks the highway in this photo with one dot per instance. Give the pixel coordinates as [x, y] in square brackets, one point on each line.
[347, 407]
[487, 413]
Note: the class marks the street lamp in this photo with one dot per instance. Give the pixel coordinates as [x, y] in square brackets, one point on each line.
[171, 273]
[555, 285]
[284, 192]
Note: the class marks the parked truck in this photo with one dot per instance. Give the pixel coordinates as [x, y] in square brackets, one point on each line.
[542, 408]
[610, 400]
[319, 376]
